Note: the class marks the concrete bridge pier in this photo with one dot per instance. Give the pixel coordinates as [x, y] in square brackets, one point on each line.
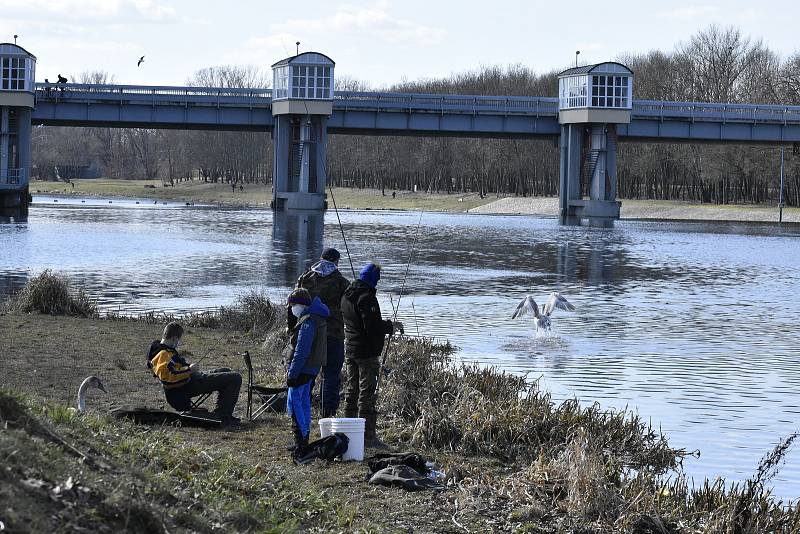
[17, 68]
[593, 99]
[299, 176]
[302, 102]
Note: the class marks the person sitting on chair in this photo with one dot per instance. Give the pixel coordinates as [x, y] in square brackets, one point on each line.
[183, 381]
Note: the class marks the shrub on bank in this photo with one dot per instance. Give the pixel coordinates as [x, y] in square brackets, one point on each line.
[52, 294]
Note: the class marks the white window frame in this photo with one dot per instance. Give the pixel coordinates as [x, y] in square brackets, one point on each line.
[16, 73]
[611, 91]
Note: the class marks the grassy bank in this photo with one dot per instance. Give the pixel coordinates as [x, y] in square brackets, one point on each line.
[514, 460]
[255, 195]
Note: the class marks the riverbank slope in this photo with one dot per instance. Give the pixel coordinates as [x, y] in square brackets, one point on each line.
[513, 461]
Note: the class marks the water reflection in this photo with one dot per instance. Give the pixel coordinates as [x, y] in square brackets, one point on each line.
[14, 215]
[297, 238]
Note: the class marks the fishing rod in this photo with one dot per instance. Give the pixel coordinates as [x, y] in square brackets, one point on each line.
[341, 228]
[399, 298]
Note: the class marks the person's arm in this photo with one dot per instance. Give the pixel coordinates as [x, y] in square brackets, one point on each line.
[371, 317]
[305, 338]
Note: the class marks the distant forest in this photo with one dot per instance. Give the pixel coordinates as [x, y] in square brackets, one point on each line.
[714, 65]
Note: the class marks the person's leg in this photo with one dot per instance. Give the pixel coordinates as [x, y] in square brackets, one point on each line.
[332, 373]
[351, 396]
[369, 369]
[299, 408]
[226, 384]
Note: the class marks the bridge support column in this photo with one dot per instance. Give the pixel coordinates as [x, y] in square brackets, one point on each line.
[299, 177]
[15, 156]
[571, 144]
[589, 151]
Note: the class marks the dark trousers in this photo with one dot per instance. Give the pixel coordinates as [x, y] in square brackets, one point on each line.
[332, 377]
[224, 381]
[362, 380]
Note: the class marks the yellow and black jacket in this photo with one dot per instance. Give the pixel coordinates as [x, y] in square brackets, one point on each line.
[168, 366]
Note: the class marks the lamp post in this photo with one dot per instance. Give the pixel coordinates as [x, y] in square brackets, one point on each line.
[15, 38]
[780, 195]
[577, 53]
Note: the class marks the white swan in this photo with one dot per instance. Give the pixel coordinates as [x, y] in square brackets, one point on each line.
[528, 305]
[89, 382]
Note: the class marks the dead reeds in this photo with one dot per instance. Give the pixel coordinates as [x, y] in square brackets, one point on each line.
[52, 294]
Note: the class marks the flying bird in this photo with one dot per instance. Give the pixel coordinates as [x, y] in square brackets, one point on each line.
[141, 60]
[528, 305]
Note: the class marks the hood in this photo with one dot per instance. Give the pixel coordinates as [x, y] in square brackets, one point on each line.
[370, 274]
[156, 347]
[318, 307]
[324, 267]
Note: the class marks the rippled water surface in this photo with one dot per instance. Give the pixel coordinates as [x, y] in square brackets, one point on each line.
[693, 324]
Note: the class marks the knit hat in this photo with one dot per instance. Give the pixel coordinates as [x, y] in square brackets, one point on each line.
[331, 254]
[370, 274]
[299, 296]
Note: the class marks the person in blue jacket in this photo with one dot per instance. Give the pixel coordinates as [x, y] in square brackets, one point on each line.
[309, 347]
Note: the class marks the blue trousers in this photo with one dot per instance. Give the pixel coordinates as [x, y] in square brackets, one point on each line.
[298, 404]
[332, 375]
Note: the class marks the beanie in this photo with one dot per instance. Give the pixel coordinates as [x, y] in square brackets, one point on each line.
[299, 296]
[331, 254]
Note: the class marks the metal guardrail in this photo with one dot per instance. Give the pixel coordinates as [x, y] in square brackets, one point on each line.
[413, 102]
[12, 177]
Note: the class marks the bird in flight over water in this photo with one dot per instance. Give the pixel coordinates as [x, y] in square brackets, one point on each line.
[141, 60]
[542, 318]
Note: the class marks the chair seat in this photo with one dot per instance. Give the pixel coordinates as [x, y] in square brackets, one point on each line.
[267, 390]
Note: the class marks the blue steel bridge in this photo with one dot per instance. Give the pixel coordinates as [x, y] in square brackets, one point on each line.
[593, 112]
[382, 113]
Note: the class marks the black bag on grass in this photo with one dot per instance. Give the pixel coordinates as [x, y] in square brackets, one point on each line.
[411, 459]
[328, 448]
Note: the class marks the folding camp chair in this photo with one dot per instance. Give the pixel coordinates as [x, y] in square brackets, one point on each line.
[270, 397]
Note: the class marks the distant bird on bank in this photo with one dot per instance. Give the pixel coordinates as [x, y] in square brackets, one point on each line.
[141, 60]
[528, 305]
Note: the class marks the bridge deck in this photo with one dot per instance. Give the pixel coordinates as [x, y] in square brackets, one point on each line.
[385, 113]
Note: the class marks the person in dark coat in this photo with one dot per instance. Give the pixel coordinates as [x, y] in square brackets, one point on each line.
[324, 280]
[308, 347]
[365, 332]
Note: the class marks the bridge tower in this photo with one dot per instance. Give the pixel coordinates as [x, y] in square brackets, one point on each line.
[17, 76]
[593, 99]
[302, 101]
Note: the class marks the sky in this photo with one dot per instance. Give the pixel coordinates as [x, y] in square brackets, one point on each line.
[380, 41]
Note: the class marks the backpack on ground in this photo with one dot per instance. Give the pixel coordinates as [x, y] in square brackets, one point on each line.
[328, 448]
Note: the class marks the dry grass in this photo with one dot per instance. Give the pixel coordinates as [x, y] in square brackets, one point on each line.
[52, 294]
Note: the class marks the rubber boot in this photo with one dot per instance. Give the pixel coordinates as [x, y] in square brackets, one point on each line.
[370, 433]
[327, 412]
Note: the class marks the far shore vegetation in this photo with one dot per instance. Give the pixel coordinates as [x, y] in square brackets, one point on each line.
[513, 459]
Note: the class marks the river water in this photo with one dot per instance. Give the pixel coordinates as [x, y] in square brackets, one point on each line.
[692, 324]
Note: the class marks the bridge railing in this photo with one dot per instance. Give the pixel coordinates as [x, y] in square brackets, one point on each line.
[704, 111]
[476, 104]
[151, 94]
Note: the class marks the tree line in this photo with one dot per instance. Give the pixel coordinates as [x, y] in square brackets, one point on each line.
[715, 65]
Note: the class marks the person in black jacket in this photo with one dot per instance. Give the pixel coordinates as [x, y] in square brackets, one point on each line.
[364, 331]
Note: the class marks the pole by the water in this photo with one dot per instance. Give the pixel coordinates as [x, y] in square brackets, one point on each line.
[780, 195]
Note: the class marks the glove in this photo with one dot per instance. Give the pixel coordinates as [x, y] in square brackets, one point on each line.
[292, 382]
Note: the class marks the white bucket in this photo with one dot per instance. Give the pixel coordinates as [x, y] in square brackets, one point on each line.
[325, 427]
[354, 429]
